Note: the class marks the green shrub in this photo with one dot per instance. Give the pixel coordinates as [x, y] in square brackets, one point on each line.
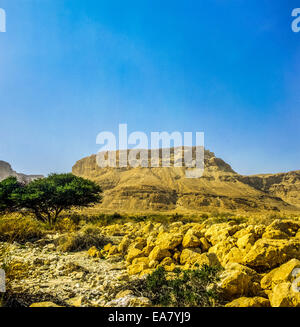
[183, 288]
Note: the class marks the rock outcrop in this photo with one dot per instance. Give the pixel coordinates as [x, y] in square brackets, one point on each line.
[7, 171]
[155, 189]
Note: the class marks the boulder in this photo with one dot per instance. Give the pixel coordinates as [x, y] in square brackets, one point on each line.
[245, 242]
[190, 256]
[249, 302]
[124, 244]
[134, 253]
[209, 259]
[284, 273]
[204, 244]
[269, 253]
[168, 241]
[283, 295]
[158, 254]
[44, 305]
[190, 240]
[238, 280]
[220, 232]
[275, 234]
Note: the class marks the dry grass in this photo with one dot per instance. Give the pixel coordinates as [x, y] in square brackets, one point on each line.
[17, 228]
[82, 240]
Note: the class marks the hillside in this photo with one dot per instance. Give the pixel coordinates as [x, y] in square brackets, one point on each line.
[167, 188]
[7, 171]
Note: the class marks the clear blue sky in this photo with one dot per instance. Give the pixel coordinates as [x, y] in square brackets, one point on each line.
[70, 69]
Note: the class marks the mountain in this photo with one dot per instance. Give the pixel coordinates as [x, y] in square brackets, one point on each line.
[7, 171]
[155, 189]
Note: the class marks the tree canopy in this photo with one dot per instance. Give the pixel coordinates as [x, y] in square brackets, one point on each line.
[46, 198]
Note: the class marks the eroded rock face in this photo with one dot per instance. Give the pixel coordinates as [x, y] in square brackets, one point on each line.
[7, 171]
[150, 188]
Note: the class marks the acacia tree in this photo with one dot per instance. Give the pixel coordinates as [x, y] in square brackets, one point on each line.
[46, 198]
[8, 187]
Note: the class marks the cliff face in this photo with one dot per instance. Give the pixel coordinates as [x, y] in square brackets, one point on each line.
[139, 188]
[283, 185]
[7, 171]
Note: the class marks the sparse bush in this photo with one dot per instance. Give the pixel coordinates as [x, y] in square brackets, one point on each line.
[183, 288]
[65, 225]
[82, 240]
[20, 229]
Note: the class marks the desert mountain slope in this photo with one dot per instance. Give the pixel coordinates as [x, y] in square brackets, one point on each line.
[7, 171]
[139, 188]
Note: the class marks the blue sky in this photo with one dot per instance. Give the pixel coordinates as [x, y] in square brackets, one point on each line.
[70, 69]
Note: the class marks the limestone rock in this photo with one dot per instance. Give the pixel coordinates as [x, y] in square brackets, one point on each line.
[284, 273]
[44, 305]
[190, 256]
[284, 296]
[238, 280]
[134, 253]
[158, 254]
[249, 302]
[268, 253]
[167, 241]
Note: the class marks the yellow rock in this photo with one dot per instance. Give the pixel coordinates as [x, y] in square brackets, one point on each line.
[137, 268]
[204, 245]
[220, 232]
[268, 253]
[44, 305]
[158, 254]
[75, 301]
[190, 256]
[275, 234]
[234, 255]
[222, 248]
[93, 252]
[134, 253]
[139, 244]
[144, 260]
[209, 259]
[249, 302]
[147, 228]
[168, 241]
[166, 261]
[289, 227]
[107, 247]
[238, 280]
[245, 242]
[190, 240]
[124, 244]
[113, 250]
[153, 263]
[284, 296]
[280, 274]
[176, 256]
[139, 302]
[170, 267]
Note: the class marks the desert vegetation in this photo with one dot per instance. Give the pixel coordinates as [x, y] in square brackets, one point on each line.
[68, 253]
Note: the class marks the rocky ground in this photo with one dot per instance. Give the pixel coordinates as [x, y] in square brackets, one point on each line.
[260, 265]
